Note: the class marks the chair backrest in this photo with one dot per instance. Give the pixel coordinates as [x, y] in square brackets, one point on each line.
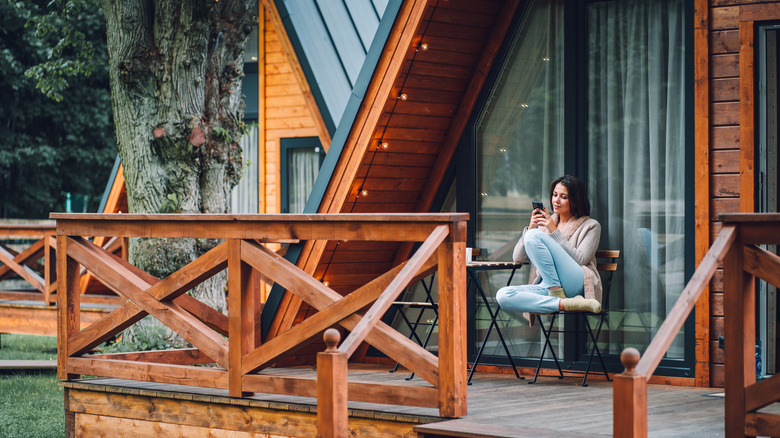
[607, 262]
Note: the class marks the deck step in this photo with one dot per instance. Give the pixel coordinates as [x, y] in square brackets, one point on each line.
[463, 428]
[28, 364]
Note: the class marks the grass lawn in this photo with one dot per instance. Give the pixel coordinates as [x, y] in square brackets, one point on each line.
[31, 402]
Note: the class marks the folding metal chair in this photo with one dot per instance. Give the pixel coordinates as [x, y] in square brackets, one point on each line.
[591, 335]
[429, 304]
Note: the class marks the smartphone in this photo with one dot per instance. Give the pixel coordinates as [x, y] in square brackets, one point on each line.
[537, 206]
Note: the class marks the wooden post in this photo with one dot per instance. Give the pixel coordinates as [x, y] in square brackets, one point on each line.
[49, 266]
[68, 305]
[241, 317]
[332, 414]
[629, 398]
[739, 337]
[452, 323]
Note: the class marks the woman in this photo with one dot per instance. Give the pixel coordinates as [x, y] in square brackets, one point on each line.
[562, 251]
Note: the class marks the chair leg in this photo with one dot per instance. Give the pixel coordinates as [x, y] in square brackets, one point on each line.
[427, 338]
[595, 348]
[506, 349]
[412, 331]
[482, 348]
[413, 327]
[544, 348]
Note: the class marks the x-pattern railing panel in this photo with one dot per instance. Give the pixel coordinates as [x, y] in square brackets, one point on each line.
[158, 299]
[743, 261]
[230, 340]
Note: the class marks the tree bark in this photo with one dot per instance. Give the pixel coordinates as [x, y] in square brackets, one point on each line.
[175, 69]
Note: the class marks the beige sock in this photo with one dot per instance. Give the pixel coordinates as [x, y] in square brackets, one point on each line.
[556, 291]
[580, 303]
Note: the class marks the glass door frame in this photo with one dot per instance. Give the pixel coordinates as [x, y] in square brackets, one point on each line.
[575, 156]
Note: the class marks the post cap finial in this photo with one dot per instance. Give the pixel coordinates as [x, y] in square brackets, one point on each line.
[630, 358]
[331, 338]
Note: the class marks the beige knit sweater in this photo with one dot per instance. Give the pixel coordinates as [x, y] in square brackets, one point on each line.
[579, 238]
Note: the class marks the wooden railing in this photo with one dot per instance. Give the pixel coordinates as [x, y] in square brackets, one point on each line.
[26, 263]
[231, 341]
[743, 260]
[42, 276]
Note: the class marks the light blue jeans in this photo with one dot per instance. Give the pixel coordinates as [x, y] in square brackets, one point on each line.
[555, 266]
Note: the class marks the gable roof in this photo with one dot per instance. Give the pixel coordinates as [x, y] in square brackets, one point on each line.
[441, 87]
[331, 40]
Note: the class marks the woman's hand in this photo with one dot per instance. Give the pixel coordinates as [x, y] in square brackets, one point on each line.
[540, 218]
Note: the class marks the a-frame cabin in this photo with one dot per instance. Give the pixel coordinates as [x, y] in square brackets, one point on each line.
[398, 136]
[654, 112]
[396, 125]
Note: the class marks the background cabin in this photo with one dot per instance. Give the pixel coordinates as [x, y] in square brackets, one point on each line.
[476, 106]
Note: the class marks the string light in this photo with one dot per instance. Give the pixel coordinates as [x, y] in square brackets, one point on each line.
[322, 278]
[421, 47]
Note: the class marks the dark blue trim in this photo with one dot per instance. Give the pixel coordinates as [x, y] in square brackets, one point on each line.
[332, 42]
[336, 144]
[352, 20]
[110, 184]
[285, 145]
[305, 66]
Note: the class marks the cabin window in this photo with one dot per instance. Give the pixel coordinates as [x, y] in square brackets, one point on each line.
[301, 159]
[597, 89]
[244, 199]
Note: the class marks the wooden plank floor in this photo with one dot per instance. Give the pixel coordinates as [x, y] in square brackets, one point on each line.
[559, 405]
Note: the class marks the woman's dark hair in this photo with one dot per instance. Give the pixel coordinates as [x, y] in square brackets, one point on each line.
[578, 198]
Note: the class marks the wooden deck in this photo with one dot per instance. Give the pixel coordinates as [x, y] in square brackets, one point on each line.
[35, 317]
[493, 400]
[19, 365]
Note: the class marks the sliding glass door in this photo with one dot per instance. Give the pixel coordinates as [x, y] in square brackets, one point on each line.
[597, 89]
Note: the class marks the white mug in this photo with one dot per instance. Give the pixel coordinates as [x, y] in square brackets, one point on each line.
[468, 255]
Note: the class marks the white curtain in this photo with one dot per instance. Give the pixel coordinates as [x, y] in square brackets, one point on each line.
[245, 196]
[520, 149]
[304, 164]
[636, 153]
[520, 136]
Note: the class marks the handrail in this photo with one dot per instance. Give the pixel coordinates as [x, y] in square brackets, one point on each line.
[630, 387]
[629, 403]
[25, 263]
[242, 356]
[685, 303]
[743, 262]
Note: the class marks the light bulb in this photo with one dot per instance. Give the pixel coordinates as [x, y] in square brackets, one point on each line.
[403, 96]
[364, 192]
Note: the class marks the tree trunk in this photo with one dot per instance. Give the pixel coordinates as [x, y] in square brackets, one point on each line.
[175, 69]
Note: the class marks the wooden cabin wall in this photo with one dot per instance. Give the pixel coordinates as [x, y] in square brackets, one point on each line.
[731, 132]
[724, 154]
[287, 113]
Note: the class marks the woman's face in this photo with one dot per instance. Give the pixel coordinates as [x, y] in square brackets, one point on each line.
[560, 200]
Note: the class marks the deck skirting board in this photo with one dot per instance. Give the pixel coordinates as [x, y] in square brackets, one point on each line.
[113, 405]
